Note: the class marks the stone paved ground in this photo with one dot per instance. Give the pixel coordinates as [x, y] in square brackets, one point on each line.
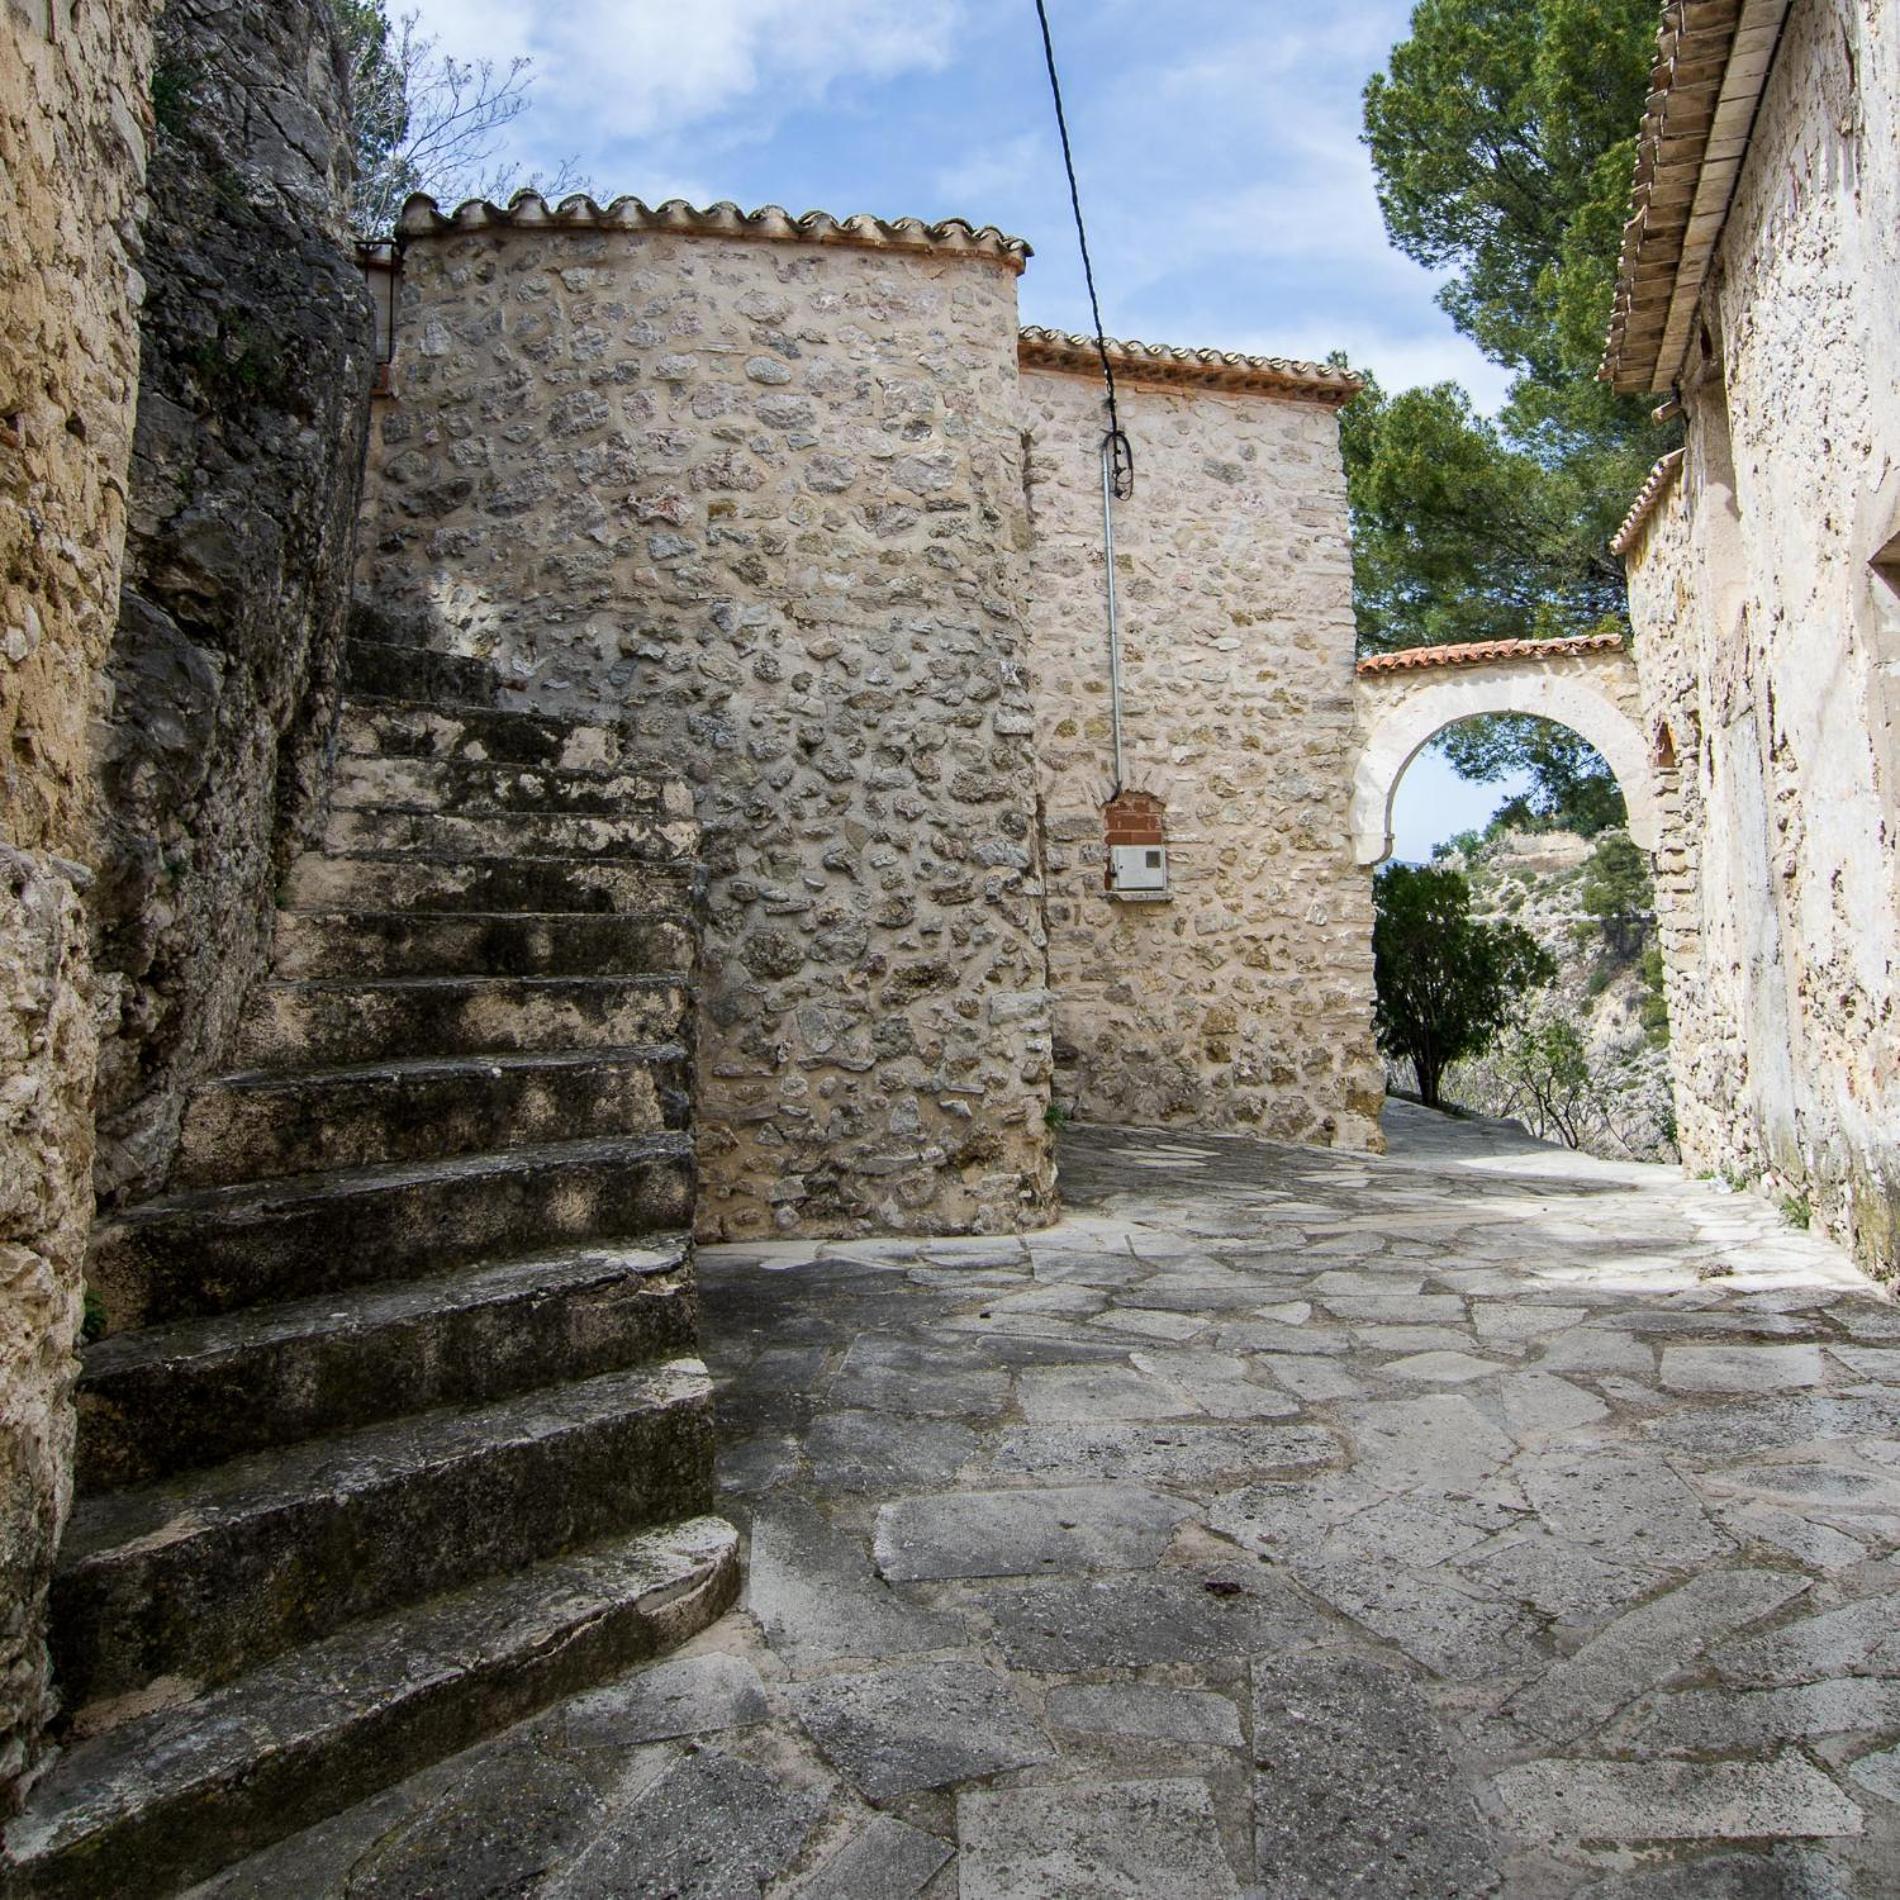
[1482, 1519]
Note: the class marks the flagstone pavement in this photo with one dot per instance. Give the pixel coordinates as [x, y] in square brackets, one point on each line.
[1480, 1519]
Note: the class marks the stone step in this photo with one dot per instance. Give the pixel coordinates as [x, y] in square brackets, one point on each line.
[405, 727]
[164, 1399]
[535, 834]
[475, 788]
[202, 1576]
[363, 881]
[216, 1250]
[172, 1797]
[263, 1123]
[334, 1020]
[494, 943]
[379, 668]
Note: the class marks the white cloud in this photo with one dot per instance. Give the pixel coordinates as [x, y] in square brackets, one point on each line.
[616, 70]
[1230, 200]
[995, 171]
[1245, 215]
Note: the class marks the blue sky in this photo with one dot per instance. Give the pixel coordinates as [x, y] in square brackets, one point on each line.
[1229, 200]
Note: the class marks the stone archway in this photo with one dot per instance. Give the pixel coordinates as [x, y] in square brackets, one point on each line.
[1405, 699]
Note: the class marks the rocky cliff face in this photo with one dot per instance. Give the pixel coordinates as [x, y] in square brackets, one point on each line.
[1564, 890]
[246, 465]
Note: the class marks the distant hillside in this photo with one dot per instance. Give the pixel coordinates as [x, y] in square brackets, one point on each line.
[1590, 1065]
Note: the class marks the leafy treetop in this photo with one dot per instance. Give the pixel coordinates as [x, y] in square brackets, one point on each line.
[1447, 982]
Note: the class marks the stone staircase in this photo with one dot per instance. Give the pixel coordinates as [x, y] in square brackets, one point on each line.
[395, 1433]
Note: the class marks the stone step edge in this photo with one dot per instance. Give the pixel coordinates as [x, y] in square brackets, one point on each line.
[464, 708]
[653, 850]
[256, 1200]
[111, 1528]
[173, 1797]
[439, 985]
[270, 1372]
[647, 807]
[653, 780]
[377, 915]
[358, 1311]
[442, 1068]
[372, 651]
[679, 860]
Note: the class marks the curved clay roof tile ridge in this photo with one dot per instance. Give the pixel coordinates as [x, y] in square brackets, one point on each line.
[1482, 652]
[529, 210]
[1168, 362]
[1651, 492]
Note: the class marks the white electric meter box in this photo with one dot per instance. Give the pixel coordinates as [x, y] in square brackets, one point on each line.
[1138, 872]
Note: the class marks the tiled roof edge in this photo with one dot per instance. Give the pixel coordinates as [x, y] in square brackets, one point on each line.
[1038, 348]
[422, 217]
[1477, 652]
[1651, 492]
[1713, 58]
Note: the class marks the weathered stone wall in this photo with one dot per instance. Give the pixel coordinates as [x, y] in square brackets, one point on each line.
[73, 137]
[1769, 650]
[251, 417]
[1246, 1001]
[763, 501]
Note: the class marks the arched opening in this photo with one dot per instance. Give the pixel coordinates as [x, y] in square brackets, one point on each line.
[1400, 730]
[1538, 885]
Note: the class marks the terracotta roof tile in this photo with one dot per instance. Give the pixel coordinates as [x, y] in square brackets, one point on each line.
[1478, 652]
[1202, 369]
[422, 217]
[1647, 497]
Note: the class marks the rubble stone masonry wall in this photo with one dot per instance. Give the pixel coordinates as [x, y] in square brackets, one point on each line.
[762, 501]
[1246, 1001]
[1768, 641]
[73, 136]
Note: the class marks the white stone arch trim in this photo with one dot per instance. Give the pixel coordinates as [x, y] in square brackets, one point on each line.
[1397, 733]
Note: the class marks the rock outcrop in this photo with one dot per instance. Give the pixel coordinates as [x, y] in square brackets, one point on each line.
[254, 379]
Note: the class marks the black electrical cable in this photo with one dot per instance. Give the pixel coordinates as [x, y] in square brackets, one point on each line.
[1116, 443]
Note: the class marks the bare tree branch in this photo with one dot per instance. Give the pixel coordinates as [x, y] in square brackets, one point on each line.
[426, 121]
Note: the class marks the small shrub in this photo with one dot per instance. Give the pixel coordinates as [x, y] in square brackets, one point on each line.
[174, 94]
[1654, 1012]
[1797, 1211]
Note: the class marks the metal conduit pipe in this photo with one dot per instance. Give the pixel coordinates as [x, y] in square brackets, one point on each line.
[1114, 622]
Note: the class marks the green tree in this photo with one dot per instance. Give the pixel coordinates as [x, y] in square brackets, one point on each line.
[1544, 1069]
[1655, 1003]
[1460, 533]
[1502, 133]
[1447, 982]
[1571, 788]
[1616, 890]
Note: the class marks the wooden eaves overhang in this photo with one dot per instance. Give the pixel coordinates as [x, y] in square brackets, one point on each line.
[1713, 60]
